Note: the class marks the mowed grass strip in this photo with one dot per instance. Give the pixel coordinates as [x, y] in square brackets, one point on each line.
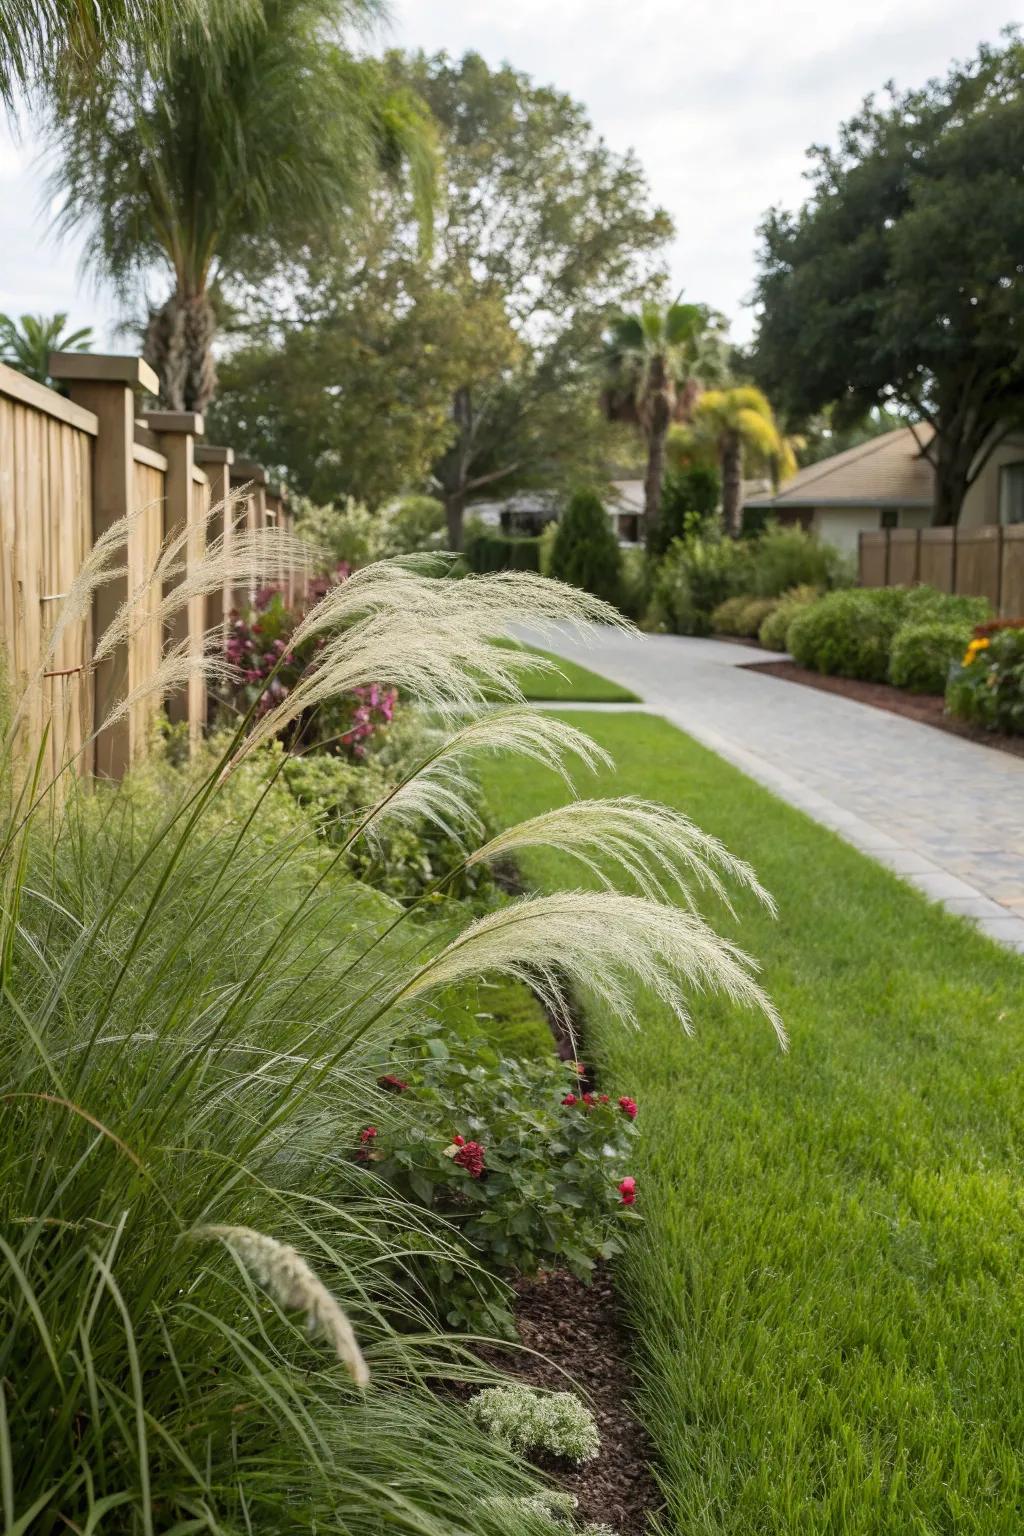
[570, 684]
[827, 1294]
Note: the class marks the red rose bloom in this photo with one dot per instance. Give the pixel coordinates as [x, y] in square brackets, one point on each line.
[459, 1141]
[368, 1135]
[570, 1098]
[589, 1100]
[628, 1107]
[471, 1157]
[627, 1189]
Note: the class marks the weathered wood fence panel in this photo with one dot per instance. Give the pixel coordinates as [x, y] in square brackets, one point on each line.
[46, 446]
[69, 469]
[976, 562]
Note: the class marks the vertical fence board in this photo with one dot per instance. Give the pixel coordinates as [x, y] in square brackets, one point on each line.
[1012, 606]
[978, 562]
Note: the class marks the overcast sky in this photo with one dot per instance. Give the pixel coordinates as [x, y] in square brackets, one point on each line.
[720, 99]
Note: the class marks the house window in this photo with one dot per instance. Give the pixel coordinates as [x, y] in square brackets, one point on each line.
[890, 517]
[1011, 493]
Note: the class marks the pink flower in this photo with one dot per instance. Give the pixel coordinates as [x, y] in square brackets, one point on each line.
[589, 1100]
[627, 1189]
[628, 1107]
[458, 1141]
[368, 1134]
[570, 1098]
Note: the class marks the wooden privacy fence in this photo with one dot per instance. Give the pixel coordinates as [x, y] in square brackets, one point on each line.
[977, 562]
[69, 468]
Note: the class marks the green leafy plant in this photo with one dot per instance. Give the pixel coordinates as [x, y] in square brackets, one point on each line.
[922, 654]
[486, 549]
[988, 685]
[742, 616]
[532, 1170]
[525, 1420]
[784, 558]
[697, 574]
[849, 634]
[774, 631]
[586, 552]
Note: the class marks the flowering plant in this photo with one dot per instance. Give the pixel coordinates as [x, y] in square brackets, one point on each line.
[532, 1175]
[988, 686]
[267, 668]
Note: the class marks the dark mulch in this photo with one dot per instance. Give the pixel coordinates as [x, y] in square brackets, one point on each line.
[925, 707]
[578, 1333]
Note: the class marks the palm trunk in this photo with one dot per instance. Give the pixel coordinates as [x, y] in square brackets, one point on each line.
[179, 346]
[657, 431]
[732, 485]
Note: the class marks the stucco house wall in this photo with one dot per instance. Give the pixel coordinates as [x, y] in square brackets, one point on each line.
[981, 504]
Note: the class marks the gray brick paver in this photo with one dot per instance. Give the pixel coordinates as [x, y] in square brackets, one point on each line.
[901, 791]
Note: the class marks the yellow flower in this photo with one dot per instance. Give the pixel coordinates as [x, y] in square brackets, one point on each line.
[980, 644]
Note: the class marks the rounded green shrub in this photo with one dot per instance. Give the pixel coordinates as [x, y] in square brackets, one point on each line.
[783, 558]
[987, 687]
[774, 631]
[923, 653]
[725, 619]
[586, 552]
[850, 633]
[752, 615]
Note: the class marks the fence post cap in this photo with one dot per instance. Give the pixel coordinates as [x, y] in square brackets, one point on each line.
[246, 470]
[210, 453]
[174, 421]
[104, 368]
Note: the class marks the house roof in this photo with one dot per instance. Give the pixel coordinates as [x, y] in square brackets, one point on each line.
[887, 471]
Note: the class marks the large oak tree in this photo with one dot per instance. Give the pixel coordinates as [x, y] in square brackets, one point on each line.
[901, 280]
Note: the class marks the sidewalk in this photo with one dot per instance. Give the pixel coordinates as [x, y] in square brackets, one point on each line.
[942, 812]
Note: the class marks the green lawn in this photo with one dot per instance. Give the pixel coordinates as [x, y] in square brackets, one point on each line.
[829, 1290]
[570, 683]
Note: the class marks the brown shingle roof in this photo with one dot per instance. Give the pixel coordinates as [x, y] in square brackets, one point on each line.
[887, 471]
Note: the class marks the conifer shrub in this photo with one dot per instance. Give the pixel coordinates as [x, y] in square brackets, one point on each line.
[586, 552]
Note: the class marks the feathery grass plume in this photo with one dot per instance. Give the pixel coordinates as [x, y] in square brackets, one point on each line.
[258, 556]
[658, 848]
[430, 638]
[176, 669]
[294, 1286]
[440, 789]
[597, 940]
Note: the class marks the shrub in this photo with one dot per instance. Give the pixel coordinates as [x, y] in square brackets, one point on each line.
[925, 604]
[528, 1167]
[754, 612]
[774, 631]
[526, 1420]
[689, 497]
[782, 558]
[725, 618]
[923, 653]
[409, 525]
[697, 574]
[485, 549]
[586, 552]
[849, 634]
[988, 685]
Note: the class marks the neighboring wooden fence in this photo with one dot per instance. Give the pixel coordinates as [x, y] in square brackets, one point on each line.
[69, 468]
[978, 562]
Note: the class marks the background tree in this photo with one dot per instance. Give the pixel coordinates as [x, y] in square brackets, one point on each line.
[230, 149]
[540, 217]
[586, 552]
[898, 283]
[740, 424]
[26, 343]
[656, 361]
[690, 494]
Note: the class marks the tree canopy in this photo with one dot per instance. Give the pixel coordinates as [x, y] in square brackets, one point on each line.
[900, 280]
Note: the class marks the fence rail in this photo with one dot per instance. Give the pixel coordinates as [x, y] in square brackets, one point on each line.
[976, 562]
[70, 466]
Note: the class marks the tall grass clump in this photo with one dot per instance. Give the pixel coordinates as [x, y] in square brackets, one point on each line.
[212, 1314]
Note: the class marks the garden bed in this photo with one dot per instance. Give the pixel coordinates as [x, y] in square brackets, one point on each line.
[927, 708]
[574, 1336]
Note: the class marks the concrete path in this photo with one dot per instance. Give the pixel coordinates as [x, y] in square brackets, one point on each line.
[944, 813]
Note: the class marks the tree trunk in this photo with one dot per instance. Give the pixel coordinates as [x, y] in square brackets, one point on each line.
[952, 462]
[659, 419]
[455, 512]
[732, 485]
[179, 346]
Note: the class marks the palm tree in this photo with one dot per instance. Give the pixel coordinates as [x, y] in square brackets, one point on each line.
[656, 361]
[740, 425]
[26, 343]
[43, 39]
[225, 154]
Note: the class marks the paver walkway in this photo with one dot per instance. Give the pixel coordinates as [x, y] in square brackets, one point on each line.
[944, 813]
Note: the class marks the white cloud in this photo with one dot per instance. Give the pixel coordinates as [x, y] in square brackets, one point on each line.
[720, 99]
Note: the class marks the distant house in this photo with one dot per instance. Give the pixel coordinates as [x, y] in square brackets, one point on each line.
[888, 482]
[529, 512]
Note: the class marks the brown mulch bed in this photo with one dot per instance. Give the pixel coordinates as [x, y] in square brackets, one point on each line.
[925, 707]
[581, 1343]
